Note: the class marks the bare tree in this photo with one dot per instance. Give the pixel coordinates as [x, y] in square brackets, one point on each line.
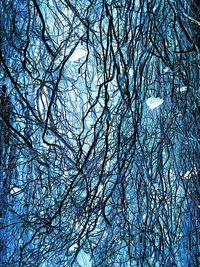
[99, 123]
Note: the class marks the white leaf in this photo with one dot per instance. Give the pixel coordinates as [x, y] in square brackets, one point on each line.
[78, 54]
[182, 89]
[154, 102]
[190, 173]
[14, 189]
[166, 69]
[84, 259]
[73, 247]
[187, 175]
